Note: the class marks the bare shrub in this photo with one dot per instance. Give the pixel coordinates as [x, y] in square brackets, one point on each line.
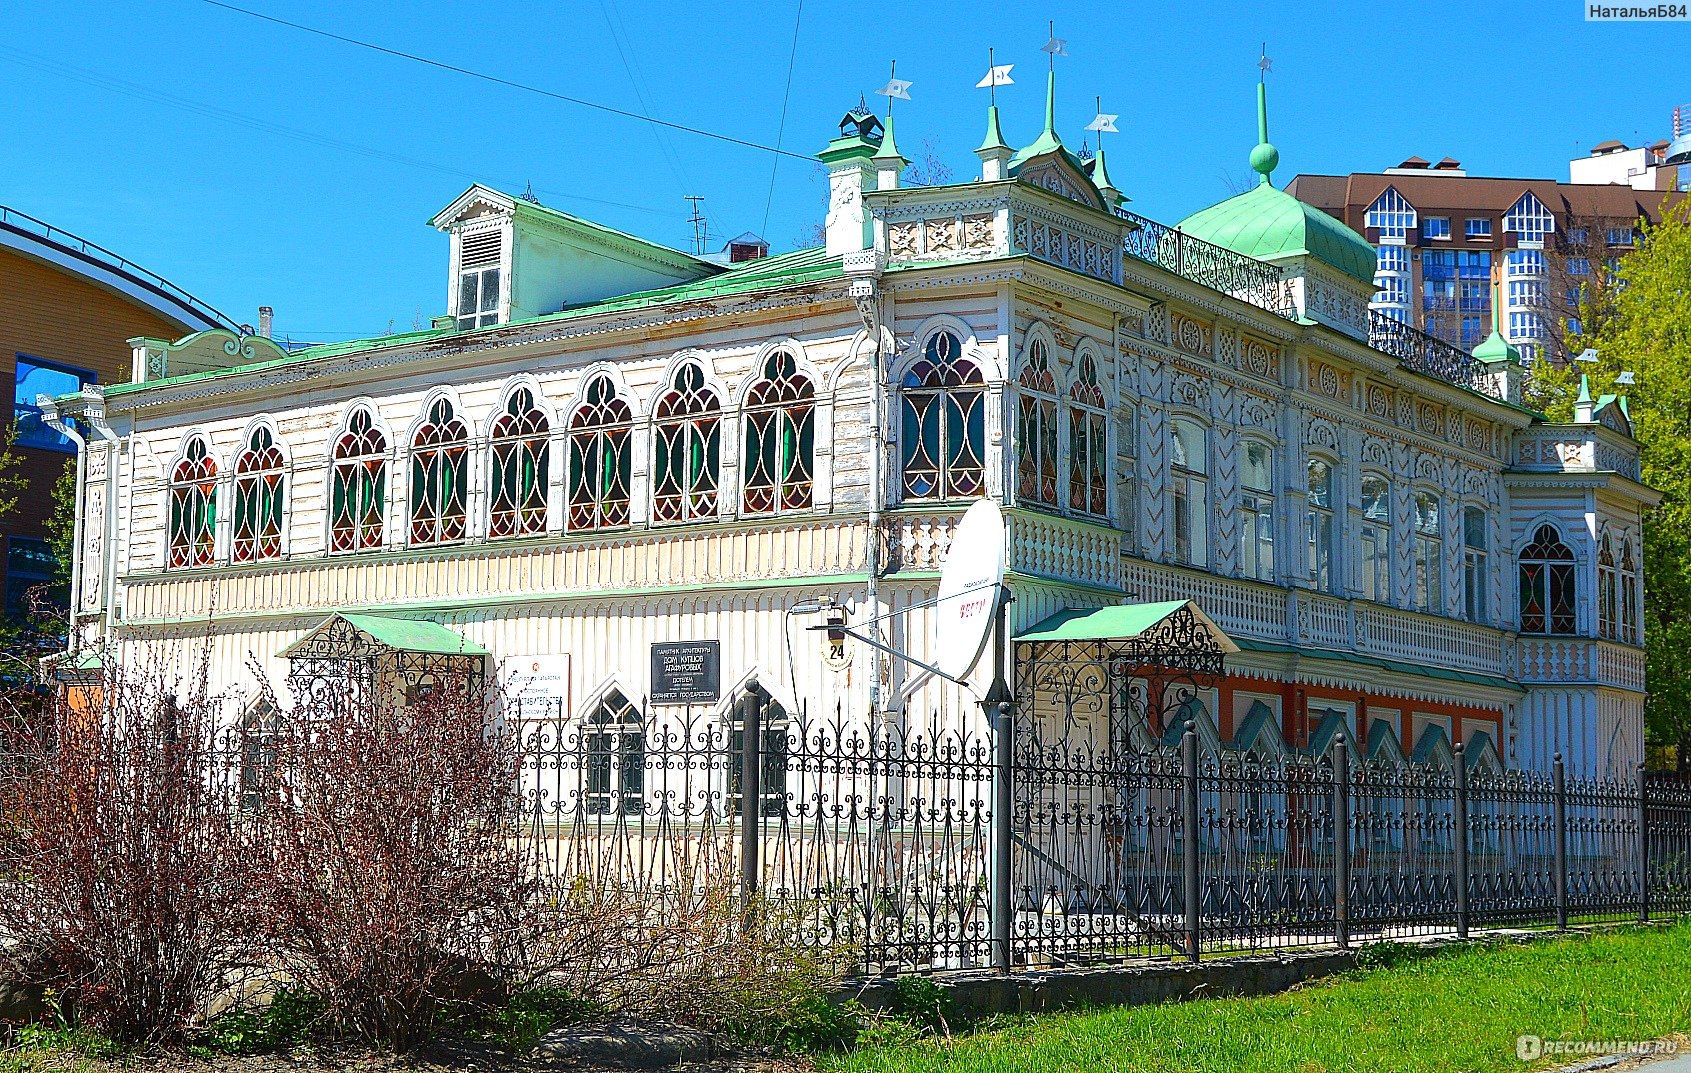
[119, 856]
[391, 886]
[695, 954]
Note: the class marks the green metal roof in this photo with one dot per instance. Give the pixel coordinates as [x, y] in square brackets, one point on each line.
[793, 269]
[1118, 622]
[1421, 670]
[1267, 223]
[414, 635]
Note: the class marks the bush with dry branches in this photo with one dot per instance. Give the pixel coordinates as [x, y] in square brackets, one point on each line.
[391, 887]
[120, 861]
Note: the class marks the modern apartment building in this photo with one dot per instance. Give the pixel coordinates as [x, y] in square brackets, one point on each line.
[1441, 233]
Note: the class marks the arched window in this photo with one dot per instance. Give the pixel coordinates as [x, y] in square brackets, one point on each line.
[687, 448]
[521, 467]
[1428, 594]
[614, 746]
[1475, 573]
[438, 453]
[358, 492]
[1629, 581]
[1548, 585]
[1036, 428]
[1256, 512]
[779, 459]
[944, 426]
[260, 485]
[1321, 524]
[1608, 588]
[1376, 539]
[1088, 465]
[599, 462]
[1190, 479]
[193, 505]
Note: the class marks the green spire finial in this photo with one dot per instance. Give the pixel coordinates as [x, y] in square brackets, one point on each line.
[1053, 48]
[1264, 158]
[1584, 388]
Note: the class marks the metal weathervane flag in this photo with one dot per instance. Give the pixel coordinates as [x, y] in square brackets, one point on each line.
[1104, 124]
[998, 75]
[1057, 46]
[897, 89]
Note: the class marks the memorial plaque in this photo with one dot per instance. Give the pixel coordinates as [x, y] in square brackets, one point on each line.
[686, 672]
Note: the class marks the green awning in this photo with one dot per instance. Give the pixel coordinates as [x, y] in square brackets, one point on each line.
[1118, 622]
[402, 635]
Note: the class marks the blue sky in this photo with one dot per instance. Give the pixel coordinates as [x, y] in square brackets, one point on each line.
[256, 164]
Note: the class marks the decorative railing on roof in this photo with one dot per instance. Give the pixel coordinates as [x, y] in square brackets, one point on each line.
[25, 224]
[1245, 278]
[1427, 354]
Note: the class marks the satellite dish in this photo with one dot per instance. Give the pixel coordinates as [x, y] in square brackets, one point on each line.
[968, 589]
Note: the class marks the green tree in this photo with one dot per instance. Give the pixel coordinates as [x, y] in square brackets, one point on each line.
[61, 529]
[1644, 326]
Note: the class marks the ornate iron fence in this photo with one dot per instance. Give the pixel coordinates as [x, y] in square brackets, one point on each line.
[879, 837]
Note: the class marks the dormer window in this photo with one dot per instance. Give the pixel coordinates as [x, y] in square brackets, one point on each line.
[479, 259]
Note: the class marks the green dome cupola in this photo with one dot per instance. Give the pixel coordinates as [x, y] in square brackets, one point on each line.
[1271, 225]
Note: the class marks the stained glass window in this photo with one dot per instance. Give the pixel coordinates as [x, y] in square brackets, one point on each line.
[943, 431]
[1088, 491]
[1548, 584]
[521, 464]
[193, 505]
[687, 449]
[438, 453]
[599, 462]
[1036, 428]
[779, 458]
[260, 487]
[358, 492]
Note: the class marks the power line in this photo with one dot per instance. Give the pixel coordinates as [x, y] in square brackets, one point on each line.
[495, 79]
[147, 93]
[781, 130]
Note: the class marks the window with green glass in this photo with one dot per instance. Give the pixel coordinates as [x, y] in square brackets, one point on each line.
[779, 459]
[358, 486]
[193, 505]
[942, 432]
[521, 459]
[599, 462]
[260, 486]
[687, 449]
[439, 451]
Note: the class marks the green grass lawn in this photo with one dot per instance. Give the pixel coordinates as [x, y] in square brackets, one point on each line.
[1461, 1010]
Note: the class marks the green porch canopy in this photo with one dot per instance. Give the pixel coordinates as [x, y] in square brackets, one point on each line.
[400, 634]
[1124, 622]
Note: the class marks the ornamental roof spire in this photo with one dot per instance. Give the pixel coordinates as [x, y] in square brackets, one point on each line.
[1264, 157]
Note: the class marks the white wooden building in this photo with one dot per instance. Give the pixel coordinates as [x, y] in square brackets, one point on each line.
[607, 445]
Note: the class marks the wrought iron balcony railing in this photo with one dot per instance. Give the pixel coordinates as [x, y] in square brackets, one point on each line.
[1245, 278]
[1426, 354]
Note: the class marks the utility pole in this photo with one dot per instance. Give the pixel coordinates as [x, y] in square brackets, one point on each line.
[697, 219]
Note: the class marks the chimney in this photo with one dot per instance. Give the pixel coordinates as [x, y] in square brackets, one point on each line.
[265, 316]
